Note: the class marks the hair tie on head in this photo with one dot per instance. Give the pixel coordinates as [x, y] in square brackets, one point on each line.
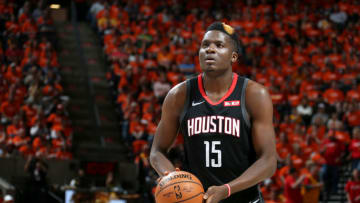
[228, 29]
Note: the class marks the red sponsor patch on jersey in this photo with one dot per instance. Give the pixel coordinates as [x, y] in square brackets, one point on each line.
[232, 103]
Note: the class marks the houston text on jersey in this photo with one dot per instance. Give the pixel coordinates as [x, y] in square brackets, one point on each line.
[213, 124]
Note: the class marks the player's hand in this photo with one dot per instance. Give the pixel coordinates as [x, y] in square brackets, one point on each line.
[165, 174]
[215, 194]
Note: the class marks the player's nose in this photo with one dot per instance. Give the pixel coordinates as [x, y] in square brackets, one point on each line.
[210, 48]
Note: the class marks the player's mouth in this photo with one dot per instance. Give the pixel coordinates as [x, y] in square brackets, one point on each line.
[209, 60]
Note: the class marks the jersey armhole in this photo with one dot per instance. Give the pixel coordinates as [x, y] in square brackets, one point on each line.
[187, 100]
[243, 107]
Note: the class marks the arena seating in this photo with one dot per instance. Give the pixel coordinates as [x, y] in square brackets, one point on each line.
[33, 112]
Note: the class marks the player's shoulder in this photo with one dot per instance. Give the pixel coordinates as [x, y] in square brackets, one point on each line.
[257, 98]
[182, 88]
[178, 90]
[255, 89]
[176, 97]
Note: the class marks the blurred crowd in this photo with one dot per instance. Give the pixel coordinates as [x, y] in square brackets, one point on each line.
[306, 53]
[33, 116]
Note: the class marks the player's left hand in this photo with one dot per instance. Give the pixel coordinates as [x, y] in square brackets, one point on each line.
[165, 174]
[215, 194]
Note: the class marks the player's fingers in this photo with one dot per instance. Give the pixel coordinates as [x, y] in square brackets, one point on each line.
[211, 199]
[165, 174]
[209, 192]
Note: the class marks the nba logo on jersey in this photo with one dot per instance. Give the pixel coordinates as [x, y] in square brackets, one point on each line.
[232, 103]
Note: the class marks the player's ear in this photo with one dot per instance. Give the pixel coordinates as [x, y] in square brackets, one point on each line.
[234, 57]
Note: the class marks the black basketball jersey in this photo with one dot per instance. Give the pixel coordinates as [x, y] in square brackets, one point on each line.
[217, 137]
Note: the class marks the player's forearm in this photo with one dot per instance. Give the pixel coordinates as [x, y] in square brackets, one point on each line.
[263, 168]
[160, 162]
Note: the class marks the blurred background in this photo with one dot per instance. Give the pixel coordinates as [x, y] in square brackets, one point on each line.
[82, 83]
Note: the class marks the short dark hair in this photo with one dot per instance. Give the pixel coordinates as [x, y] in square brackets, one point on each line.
[230, 31]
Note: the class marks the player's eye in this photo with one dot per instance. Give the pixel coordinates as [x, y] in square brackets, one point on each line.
[204, 45]
[220, 45]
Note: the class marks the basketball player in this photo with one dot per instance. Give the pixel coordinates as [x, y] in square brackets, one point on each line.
[226, 121]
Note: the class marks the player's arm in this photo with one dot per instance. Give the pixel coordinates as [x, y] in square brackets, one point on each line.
[260, 109]
[259, 106]
[167, 129]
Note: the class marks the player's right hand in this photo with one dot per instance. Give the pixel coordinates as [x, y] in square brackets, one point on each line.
[215, 194]
[165, 174]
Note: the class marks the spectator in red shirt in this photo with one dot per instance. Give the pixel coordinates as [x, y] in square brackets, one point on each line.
[136, 128]
[9, 108]
[353, 95]
[352, 188]
[332, 151]
[354, 149]
[293, 186]
[333, 94]
[352, 115]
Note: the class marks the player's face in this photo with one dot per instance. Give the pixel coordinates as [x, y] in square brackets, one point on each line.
[216, 52]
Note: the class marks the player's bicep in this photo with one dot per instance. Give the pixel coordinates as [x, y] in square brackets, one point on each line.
[166, 133]
[261, 113]
[263, 138]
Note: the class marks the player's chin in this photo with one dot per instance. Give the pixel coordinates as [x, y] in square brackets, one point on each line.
[209, 68]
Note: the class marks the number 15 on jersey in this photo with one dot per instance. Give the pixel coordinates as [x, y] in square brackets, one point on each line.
[216, 163]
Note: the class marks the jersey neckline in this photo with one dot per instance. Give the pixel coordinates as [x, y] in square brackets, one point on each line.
[228, 93]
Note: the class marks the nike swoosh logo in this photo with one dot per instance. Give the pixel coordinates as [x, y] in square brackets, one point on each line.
[195, 104]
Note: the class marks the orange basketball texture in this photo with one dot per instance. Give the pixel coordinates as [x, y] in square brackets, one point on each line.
[179, 186]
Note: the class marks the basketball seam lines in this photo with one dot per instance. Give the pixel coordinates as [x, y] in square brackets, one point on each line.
[189, 198]
[176, 183]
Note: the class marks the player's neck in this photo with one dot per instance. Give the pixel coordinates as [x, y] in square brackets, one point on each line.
[219, 83]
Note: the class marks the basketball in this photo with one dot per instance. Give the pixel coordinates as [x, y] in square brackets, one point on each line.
[179, 186]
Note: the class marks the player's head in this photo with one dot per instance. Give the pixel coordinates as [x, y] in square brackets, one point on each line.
[230, 31]
[219, 48]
